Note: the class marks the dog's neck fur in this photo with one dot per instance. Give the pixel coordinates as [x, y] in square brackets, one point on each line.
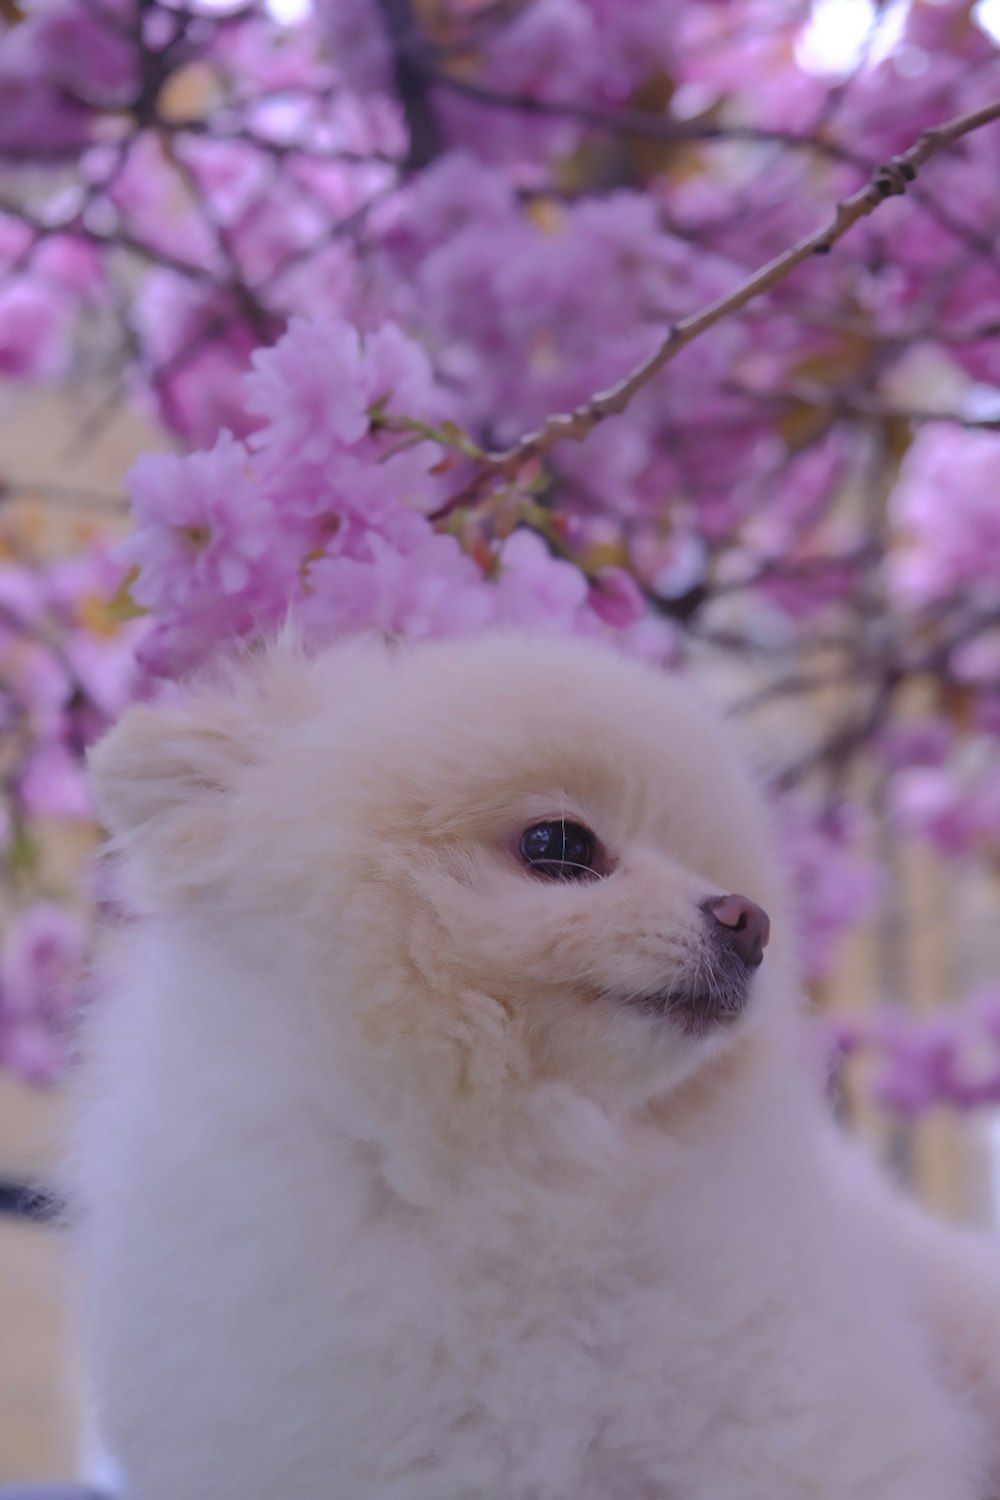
[237, 1007]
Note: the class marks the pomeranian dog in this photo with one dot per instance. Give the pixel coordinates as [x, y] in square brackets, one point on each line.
[447, 1131]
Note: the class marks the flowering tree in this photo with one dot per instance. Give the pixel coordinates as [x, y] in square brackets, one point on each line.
[677, 320]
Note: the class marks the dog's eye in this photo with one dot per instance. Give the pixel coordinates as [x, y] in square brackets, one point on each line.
[559, 850]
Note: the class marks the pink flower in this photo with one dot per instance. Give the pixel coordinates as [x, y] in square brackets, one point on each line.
[198, 346]
[921, 742]
[946, 515]
[917, 1062]
[85, 49]
[616, 598]
[955, 807]
[34, 330]
[58, 64]
[204, 534]
[832, 882]
[35, 115]
[949, 1059]
[71, 264]
[987, 710]
[359, 47]
[53, 785]
[429, 589]
[928, 800]
[40, 969]
[317, 390]
[536, 590]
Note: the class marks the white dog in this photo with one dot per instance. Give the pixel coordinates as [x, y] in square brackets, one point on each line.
[447, 1134]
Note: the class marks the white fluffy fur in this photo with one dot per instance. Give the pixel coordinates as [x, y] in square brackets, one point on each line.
[385, 1191]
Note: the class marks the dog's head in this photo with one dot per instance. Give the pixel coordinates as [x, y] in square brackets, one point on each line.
[493, 861]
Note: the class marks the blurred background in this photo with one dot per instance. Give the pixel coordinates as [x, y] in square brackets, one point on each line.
[802, 510]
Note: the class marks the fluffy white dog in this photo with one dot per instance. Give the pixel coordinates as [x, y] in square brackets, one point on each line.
[447, 1133]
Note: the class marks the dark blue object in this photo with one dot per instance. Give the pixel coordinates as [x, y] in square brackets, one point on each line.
[23, 1200]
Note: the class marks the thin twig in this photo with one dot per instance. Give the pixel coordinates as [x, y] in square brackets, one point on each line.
[633, 122]
[843, 401]
[888, 181]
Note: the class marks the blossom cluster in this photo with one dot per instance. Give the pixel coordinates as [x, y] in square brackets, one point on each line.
[948, 1058]
[67, 672]
[326, 509]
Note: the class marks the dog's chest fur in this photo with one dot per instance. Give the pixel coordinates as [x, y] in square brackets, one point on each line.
[580, 1312]
[606, 1333]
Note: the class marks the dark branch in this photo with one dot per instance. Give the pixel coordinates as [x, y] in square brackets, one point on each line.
[412, 83]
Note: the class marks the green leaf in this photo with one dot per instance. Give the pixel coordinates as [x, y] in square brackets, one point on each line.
[121, 606]
[22, 851]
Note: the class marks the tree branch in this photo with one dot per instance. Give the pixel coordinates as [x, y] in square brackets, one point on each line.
[631, 122]
[887, 181]
[412, 83]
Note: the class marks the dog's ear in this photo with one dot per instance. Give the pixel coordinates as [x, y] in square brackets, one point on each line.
[165, 781]
[158, 763]
[171, 783]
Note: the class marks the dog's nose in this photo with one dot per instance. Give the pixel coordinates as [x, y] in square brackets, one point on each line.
[746, 925]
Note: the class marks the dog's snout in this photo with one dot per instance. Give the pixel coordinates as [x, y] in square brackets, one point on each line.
[745, 925]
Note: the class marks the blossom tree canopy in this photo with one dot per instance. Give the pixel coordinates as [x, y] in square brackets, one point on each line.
[676, 321]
